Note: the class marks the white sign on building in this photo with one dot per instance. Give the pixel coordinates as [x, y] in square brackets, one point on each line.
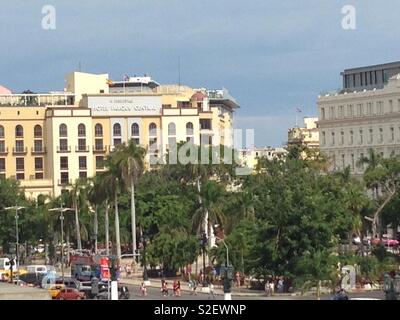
[125, 105]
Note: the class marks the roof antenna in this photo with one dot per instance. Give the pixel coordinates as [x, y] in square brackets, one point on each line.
[179, 71]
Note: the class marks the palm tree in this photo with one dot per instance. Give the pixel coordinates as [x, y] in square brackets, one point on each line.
[372, 161]
[211, 208]
[100, 196]
[130, 160]
[111, 181]
[78, 197]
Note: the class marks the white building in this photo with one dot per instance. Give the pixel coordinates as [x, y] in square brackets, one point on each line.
[250, 157]
[351, 123]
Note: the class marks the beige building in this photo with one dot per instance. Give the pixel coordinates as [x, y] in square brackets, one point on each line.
[307, 135]
[351, 123]
[47, 141]
[250, 157]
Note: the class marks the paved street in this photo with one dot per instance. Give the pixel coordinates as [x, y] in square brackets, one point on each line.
[155, 294]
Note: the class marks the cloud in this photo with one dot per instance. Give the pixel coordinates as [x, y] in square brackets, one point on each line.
[272, 55]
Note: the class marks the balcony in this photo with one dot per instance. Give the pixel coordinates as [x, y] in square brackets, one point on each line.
[81, 148]
[20, 150]
[64, 182]
[49, 99]
[63, 149]
[38, 150]
[99, 149]
[3, 151]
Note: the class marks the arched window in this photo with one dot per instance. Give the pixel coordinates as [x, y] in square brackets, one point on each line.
[63, 131]
[135, 129]
[189, 129]
[37, 131]
[1, 132]
[81, 130]
[117, 129]
[19, 131]
[98, 130]
[152, 129]
[171, 129]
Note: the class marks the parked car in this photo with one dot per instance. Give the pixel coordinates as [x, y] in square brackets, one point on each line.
[70, 294]
[123, 292]
[55, 290]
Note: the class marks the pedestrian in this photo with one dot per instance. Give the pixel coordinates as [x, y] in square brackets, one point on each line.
[195, 284]
[238, 279]
[267, 288]
[280, 285]
[165, 289]
[271, 287]
[178, 288]
[143, 289]
[211, 290]
[175, 287]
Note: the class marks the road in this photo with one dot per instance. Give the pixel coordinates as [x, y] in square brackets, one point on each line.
[155, 294]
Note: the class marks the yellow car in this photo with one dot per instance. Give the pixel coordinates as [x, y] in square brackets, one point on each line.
[55, 290]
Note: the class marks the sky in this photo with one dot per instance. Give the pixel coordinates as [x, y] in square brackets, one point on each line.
[272, 55]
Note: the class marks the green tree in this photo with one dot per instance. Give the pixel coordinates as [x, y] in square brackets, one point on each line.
[130, 159]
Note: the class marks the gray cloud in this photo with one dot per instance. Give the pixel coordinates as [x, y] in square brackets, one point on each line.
[272, 55]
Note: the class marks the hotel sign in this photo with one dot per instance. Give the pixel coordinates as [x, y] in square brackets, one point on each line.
[125, 106]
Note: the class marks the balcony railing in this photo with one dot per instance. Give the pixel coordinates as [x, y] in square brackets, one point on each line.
[64, 182]
[63, 149]
[81, 148]
[38, 150]
[99, 149]
[3, 151]
[20, 150]
[48, 99]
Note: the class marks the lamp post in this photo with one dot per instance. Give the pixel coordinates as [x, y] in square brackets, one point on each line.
[61, 210]
[391, 286]
[16, 208]
[227, 271]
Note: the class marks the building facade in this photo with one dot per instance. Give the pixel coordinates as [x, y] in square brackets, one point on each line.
[307, 136]
[351, 123]
[250, 157]
[47, 141]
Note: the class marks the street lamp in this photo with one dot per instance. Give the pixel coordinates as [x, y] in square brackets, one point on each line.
[61, 210]
[16, 208]
[227, 272]
[227, 249]
[391, 286]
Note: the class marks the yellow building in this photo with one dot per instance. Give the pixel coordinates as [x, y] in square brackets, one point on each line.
[47, 141]
[307, 136]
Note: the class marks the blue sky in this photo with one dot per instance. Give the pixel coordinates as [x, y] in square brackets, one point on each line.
[272, 55]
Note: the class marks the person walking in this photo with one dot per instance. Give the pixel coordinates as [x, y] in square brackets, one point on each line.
[178, 288]
[211, 291]
[238, 279]
[143, 289]
[280, 285]
[165, 289]
[175, 287]
[267, 288]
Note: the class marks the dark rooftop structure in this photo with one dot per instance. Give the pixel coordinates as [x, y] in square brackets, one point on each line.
[369, 77]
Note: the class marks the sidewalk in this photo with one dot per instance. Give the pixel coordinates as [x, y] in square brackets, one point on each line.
[156, 283]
